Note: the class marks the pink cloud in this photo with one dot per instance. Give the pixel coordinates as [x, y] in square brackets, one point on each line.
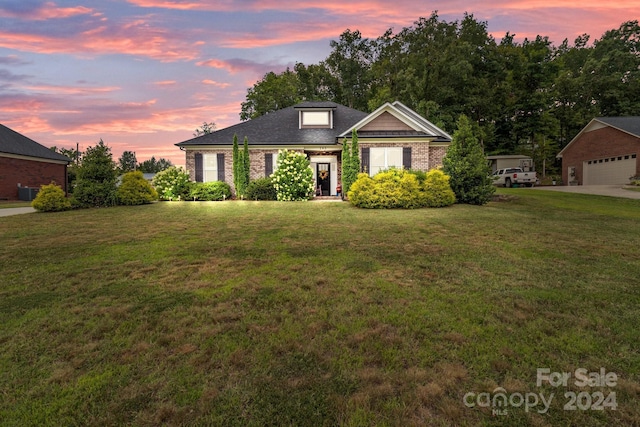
[48, 10]
[216, 84]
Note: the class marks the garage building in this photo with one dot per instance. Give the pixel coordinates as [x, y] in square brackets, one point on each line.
[605, 152]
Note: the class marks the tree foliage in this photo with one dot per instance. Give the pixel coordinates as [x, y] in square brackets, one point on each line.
[467, 166]
[154, 166]
[135, 190]
[528, 97]
[205, 129]
[96, 178]
[127, 162]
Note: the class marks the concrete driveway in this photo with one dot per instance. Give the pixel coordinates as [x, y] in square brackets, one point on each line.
[600, 190]
[16, 211]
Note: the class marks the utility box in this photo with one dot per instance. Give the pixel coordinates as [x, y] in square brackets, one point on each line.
[27, 194]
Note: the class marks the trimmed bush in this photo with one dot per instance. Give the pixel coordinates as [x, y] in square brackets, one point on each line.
[261, 189]
[172, 183]
[293, 180]
[135, 190]
[437, 190]
[399, 188]
[210, 191]
[51, 198]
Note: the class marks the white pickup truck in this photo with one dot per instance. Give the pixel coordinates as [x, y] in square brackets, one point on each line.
[514, 176]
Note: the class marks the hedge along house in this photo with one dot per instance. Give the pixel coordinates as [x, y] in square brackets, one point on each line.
[605, 152]
[392, 136]
[25, 163]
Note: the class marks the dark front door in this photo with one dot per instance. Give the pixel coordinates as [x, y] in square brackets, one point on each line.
[323, 182]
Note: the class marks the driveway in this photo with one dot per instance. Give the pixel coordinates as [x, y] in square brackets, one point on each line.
[600, 190]
[15, 211]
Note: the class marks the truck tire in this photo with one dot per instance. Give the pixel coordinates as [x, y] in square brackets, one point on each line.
[507, 183]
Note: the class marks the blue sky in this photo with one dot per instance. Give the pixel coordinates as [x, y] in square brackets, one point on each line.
[144, 74]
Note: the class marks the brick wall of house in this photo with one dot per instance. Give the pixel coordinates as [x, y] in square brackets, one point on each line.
[28, 173]
[601, 143]
[436, 154]
[256, 163]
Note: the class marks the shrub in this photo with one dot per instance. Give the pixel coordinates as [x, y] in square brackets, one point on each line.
[437, 190]
[393, 188]
[172, 183]
[465, 162]
[635, 180]
[399, 188]
[210, 191]
[293, 180]
[51, 198]
[135, 190]
[261, 189]
[96, 181]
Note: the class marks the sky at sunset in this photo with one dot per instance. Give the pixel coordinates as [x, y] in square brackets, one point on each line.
[144, 74]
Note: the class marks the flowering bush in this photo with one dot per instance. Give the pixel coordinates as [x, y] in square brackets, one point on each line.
[172, 183]
[293, 179]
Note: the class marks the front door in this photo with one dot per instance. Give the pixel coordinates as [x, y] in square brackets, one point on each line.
[323, 179]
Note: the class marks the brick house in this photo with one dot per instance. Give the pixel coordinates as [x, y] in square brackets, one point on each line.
[392, 136]
[25, 163]
[604, 152]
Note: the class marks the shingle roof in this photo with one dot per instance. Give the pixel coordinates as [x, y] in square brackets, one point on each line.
[628, 124]
[12, 142]
[281, 128]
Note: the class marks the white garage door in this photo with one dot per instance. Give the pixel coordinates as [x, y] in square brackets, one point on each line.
[612, 170]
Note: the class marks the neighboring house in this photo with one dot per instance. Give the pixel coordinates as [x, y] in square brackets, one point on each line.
[510, 161]
[391, 136]
[604, 152]
[25, 163]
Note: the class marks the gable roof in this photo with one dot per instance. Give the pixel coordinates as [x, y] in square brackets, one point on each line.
[281, 127]
[629, 124]
[418, 125]
[12, 142]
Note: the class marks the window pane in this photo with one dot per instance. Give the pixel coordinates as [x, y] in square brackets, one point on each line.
[394, 157]
[210, 168]
[315, 118]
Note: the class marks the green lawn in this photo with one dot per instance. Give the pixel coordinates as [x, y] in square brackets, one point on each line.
[311, 314]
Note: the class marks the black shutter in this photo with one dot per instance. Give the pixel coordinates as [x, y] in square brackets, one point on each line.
[198, 167]
[268, 164]
[364, 161]
[221, 167]
[406, 157]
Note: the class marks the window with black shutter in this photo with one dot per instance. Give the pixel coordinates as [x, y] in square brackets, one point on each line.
[221, 167]
[268, 164]
[199, 168]
[406, 157]
[364, 161]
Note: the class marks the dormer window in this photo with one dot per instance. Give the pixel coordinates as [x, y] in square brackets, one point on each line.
[316, 119]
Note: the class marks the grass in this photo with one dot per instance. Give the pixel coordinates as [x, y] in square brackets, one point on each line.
[259, 313]
[6, 204]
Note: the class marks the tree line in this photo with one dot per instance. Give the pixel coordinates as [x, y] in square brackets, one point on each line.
[528, 97]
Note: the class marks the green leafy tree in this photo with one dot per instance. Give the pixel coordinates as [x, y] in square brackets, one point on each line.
[246, 166]
[293, 179]
[154, 166]
[236, 162]
[272, 93]
[205, 129]
[172, 184]
[96, 181]
[135, 190]
[467, 166]
[354, 158]
[127, 162]
[51, 198]
[347, 178]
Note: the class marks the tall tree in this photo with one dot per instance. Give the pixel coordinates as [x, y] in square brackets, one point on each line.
[355, 155]
[467, 166]
[205, 129]
[154, 166]
[236, 163]
[273, 92]
[127, 162]
[347, 178]
[96, 182]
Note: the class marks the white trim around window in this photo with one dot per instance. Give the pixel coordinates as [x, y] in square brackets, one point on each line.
[382, 158]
